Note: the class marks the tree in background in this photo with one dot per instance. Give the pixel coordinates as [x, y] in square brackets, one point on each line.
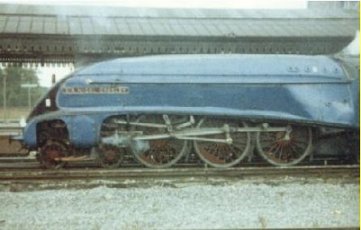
[16, 96]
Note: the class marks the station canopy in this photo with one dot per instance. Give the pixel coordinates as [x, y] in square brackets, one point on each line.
[63, 34]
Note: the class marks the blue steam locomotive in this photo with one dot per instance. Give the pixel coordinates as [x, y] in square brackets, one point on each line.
[223, 107]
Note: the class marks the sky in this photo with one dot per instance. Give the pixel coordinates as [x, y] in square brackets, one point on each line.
[45, 73]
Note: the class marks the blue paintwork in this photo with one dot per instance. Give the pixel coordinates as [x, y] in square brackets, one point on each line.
[29, 134]
[310, 89]
[83, 131]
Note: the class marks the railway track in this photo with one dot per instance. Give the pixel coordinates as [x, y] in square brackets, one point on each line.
[79, 178]
[133, 173]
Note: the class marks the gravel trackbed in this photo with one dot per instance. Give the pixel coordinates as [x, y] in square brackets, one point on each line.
[237, 204]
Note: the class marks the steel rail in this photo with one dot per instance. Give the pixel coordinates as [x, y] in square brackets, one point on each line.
[72, 174]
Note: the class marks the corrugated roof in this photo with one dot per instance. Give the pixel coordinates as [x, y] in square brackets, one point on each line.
[86, 25]
[178, 22]
[64, 33]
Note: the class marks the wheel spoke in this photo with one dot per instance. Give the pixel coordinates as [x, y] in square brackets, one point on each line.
[278, 150]
[161, 153]
[222, 154]
[50, 153]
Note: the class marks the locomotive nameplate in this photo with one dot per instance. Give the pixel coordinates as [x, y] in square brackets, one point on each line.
[96, 90]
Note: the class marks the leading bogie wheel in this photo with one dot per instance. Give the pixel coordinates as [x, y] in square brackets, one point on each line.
[110, 156]
[51, 153]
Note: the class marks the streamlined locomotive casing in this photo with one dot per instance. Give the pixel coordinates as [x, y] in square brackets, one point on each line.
[316, 90]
